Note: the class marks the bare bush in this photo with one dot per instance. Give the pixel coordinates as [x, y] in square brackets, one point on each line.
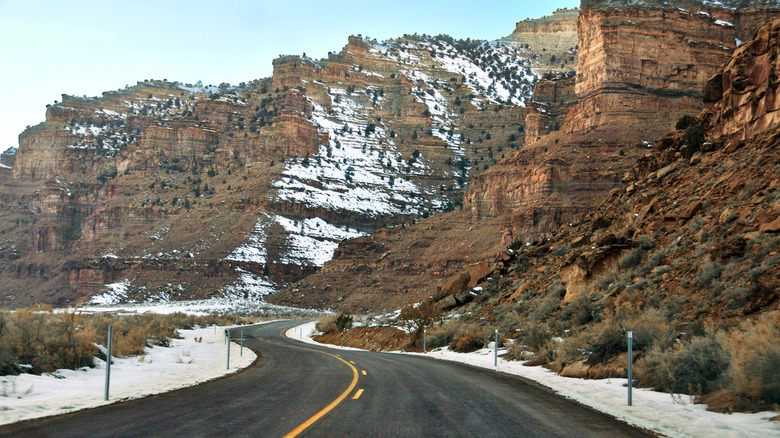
[47, 341]
[755, 359]
[609, 338]
[441, 335]
[327, 324]
[694, 367]
[468, 338]
[416, 318]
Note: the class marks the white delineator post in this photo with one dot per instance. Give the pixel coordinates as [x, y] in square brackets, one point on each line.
[630, 359]
[495, 351]
[109, 341]
[425, 341]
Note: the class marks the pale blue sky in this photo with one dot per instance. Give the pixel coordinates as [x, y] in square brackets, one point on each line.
[79, 47]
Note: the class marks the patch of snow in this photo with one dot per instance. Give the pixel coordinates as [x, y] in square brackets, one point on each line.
[115, 294]
[249, 285]
[186, 363]
[3, 166]
[358, 170]
[253, 250]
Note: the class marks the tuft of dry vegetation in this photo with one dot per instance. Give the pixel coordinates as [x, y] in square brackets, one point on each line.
[333, 323]
[38, 340]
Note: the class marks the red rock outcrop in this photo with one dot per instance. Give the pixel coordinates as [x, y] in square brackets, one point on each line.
[552, 39]
[639, 71]
[553, 97]
[743, 95]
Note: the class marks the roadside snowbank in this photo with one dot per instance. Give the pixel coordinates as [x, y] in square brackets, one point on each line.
[198, 357]
[663, 413]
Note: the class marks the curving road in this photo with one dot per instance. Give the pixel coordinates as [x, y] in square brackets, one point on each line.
[304, 390]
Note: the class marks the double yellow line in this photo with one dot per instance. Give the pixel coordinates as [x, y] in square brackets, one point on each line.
[306, 424]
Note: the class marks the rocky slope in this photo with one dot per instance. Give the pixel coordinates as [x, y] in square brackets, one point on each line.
[553, 40]
[688, 245]
[639, 70]
[572, 156]
[171, 191]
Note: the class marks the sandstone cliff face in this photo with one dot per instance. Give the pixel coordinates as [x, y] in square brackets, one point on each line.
[639, 71]
[636, 62]
[553, 97]
[251, 186]
[693, 235]
[742, 96]
[553, 40]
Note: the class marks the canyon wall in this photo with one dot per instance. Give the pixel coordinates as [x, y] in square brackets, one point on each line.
[639, 70]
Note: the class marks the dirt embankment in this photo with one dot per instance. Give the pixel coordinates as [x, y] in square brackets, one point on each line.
[370, 338]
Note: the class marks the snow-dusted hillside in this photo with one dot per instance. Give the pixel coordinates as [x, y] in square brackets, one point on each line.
[378, 135]
[365, 168]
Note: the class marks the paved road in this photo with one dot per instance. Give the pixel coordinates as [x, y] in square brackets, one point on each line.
[369, 394]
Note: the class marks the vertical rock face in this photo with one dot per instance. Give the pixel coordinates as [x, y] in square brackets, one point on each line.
[742, 97]
[553, 97]
[645, 64]
[165, 190]
[639, 70]
[553, 39]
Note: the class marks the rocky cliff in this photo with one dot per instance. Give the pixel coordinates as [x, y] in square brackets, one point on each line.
[742, 96]
[170, 191]
[573, 155]
[639, 70]
[552, 39]
[691, 235]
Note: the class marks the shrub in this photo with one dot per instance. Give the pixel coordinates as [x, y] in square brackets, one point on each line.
[48, 341]
[327, 324]
[755, 360]
[535, 337]
[609, 338]
[686, 122]
[442, 335]
[467, 343]
[694, 367]
[693, 138]
[467, 338]
[343, 322]
[418, 318]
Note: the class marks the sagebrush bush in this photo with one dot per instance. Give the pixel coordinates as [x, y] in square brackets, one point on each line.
[46, 341]
[694, 367]
[754, 372]
[467, 343]
[468, 338]
[441, 335]
[534, 337]
[609, 338]
[572, 349]
[327, 324]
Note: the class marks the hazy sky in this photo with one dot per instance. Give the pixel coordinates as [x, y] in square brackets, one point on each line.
[83, 47]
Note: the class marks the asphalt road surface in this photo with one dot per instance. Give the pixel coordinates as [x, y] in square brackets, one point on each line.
[298, 389]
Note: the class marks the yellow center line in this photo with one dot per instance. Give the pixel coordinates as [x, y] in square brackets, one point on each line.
[306, 424]
[357, 394]
[363, 371]
[352, 361]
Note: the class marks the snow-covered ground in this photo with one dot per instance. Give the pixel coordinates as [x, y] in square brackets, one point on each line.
[200, 356]
[253, 306]
[674, 416]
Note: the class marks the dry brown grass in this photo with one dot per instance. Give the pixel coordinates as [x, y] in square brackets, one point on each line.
[37, 340]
